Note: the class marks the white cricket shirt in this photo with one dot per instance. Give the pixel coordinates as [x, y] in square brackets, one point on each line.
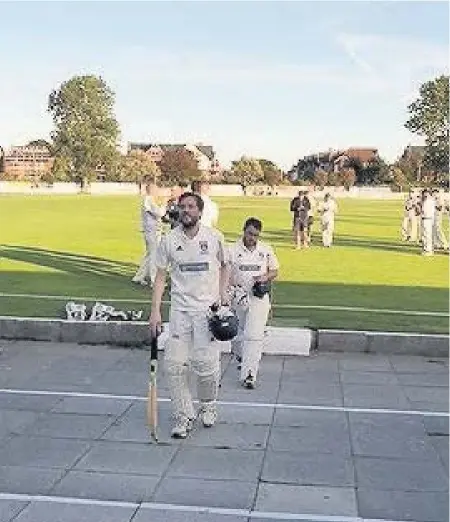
[194, 266]
[210, 214]
[151, 214]
[247, 264]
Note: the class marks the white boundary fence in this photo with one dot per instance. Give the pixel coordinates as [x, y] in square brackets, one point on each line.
[282, 191]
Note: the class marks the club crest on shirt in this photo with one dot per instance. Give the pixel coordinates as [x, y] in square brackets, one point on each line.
[203, 247]
[261, 255]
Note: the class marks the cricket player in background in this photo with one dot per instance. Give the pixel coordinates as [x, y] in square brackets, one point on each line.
[428, 216]
[327, 210]
[210, 215]
[253, 266]
[196, 256]
[439, 241]
[409, 223]
[152, 210]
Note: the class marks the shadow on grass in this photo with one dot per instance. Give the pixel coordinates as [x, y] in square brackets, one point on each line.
[113, 290]
[68, 262]
[349, 241]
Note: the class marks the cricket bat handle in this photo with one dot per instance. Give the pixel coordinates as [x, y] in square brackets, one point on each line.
[152, 401]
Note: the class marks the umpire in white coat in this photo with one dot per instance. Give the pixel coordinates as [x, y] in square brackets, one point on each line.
[251, 261]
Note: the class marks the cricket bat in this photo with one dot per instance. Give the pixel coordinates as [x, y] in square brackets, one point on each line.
[152, 399]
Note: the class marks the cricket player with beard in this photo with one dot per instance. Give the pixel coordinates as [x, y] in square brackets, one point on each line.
[197, 258]
[253, 265]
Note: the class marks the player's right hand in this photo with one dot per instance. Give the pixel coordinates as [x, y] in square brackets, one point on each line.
[155, 323]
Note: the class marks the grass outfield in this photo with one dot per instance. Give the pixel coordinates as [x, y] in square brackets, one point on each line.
[89, 246]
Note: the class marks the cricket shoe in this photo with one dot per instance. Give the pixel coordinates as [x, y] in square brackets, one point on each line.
[249, 381]
[183, 425]
[208, 414]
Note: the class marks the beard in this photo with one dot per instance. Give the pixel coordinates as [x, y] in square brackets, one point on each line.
[191, 222]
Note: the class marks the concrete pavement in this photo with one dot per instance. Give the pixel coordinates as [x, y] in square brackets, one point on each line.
[329, 437]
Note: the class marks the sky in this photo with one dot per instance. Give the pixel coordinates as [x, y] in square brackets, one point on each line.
[276, 79]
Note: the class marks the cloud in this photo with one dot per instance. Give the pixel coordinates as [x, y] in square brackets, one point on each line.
[398, 64]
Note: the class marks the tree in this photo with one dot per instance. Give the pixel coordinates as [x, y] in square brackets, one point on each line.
[271, 174]
[347, 178]
[61, 169]
[356, 165]
[429, 117]
[178, 167]
[86, 130]
[333, 179]
[137, 164]
[247, 170]
[40, 143]
[320, 178]
[374, 173]
[399, 180]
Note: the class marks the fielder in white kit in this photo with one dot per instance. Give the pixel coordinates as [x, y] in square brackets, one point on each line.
[253, 265]
[197, 258]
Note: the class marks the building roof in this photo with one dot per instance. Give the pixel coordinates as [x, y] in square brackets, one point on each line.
[363, 154]
[207, 150]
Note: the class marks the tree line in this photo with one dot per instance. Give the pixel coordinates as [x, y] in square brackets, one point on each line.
[85, 144]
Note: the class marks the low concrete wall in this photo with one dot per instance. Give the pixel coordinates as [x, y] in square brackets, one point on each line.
[383, 343]
[278, 341]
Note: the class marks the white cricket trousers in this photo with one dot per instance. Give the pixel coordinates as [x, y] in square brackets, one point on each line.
[249, 341]
[147, 268]
[427, 235]
[327, 231]
[410, 226]
[439, 240]
[191, 346]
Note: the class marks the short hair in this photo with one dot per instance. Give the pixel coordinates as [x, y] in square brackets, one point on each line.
[198, 199]
[253, 222]
[196, 186]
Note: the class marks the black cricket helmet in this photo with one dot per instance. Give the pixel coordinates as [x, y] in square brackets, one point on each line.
[223, 323]
[260, 289]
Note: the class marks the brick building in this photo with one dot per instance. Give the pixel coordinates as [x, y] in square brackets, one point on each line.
[26, 162]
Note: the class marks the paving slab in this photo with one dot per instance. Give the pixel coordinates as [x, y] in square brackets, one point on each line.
[91, 406]
[126, 457]
[159, 515]
[54, 512]
[404, 475]
[70, 425]
[287, 467]
[15, 422]
[226, 464]
[306, 500]
[386, 396]
[436, 425]
[423, 379]
[106, 486]
[441, 445]
[211, 493]
[28, 480]
[42, 452]
[335, 440]
[437, 395]
[230, 436]
[9, 509]
[417, 506]
[399, 436]
[316, 394]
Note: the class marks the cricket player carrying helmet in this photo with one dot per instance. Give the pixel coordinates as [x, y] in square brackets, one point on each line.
[253, 265]
[197, 259]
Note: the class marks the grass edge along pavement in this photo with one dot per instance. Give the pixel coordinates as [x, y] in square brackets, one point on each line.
[369, 280]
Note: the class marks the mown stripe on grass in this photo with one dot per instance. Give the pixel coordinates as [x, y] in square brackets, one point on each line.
[422, 313]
